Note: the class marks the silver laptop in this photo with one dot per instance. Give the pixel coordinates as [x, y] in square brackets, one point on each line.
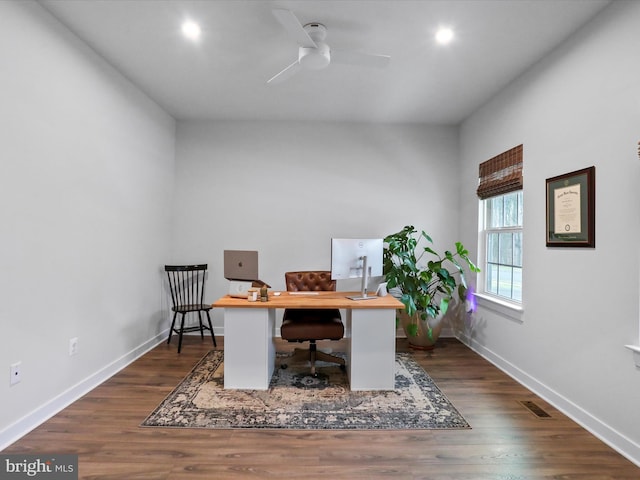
[241, 265]
[241, 269]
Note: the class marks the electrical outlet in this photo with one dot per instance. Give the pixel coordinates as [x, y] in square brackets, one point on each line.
[73, 346]
[16, 373]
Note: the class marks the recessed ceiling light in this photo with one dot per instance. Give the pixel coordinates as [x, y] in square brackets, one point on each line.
[191, 30]
[444, 35]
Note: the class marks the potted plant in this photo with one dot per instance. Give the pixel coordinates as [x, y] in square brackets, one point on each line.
[425, 281]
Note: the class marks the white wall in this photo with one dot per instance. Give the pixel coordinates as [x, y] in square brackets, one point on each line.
[85, 201]
[577, 108]
[285, 189]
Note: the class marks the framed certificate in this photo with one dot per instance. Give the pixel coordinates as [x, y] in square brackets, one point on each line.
[571, 201]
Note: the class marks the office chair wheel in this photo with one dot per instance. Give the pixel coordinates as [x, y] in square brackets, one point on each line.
[284, 366]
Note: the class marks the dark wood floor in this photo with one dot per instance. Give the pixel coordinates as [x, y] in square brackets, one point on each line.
[506, 440]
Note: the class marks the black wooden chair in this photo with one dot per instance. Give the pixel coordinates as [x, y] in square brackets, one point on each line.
[310, 325]
[186, 283]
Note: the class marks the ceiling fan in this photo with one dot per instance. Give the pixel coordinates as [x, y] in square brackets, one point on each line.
[313, 52]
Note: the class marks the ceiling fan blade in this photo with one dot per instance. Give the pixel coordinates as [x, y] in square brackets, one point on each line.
[293, 26]
[349, 57]
[288, 72]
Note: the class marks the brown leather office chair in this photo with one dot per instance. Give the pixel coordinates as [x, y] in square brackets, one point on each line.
[310, 325]
[186, 283]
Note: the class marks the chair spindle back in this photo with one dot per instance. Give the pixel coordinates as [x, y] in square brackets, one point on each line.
[186, 283]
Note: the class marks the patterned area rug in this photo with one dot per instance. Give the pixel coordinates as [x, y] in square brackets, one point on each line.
[296, 400]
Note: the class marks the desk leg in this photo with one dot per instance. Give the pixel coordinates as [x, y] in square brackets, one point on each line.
[249, 347]
[371, 349]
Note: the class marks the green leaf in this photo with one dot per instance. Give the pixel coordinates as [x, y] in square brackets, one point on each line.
[412, 330]
[430, 334]
[431, 251]
[426, 237]
[444, 305]
[409, 303]
[461, 250]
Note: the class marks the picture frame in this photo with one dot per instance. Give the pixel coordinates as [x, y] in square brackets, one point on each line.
[571, 201]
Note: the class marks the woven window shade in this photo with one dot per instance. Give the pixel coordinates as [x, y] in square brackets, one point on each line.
[501, 174]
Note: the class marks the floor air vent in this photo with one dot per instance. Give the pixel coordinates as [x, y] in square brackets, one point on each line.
[535, 409]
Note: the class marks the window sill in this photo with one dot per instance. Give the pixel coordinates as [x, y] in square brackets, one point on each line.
[506, 309]
[636, 353]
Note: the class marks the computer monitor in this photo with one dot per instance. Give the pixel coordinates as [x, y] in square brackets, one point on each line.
[356, 258]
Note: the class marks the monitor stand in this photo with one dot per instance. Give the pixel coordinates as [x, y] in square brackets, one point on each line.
[365, 281]
[364, 297]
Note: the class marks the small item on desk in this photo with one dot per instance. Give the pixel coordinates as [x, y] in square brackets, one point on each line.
[252, 294]
[277, 294]
[264, 294]
[382, 289]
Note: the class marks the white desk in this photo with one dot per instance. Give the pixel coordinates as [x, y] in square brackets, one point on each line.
[249, 329]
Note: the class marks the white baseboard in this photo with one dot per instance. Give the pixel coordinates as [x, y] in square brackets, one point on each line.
[616, 440]
[24, 425]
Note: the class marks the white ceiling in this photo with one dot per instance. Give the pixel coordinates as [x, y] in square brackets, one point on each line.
[224, 75]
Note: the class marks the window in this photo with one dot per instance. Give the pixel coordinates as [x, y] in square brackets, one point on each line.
[501, 232]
